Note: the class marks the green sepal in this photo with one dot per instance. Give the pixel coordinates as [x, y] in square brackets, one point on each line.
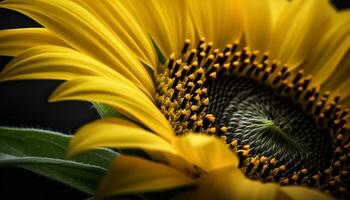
[161, 56]
[106, 111]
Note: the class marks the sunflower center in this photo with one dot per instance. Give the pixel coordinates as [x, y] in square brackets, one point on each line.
[271, 125]
[282, 129]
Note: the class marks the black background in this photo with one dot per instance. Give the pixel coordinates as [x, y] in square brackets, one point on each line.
[24, 104]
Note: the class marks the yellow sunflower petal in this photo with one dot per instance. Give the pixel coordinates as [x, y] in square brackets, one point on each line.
[126, 99]
[13, 41]
[219, 23]
[246, 188]
[298, 29]
[86, 33]
[207, 152]
[117, 133]
[342, 87]
[56, 62]
[332, 47]
[257, 22]
[303, 193]
[339, 81]
[124, 25]
[277, 8]
[130, 175]
[229, 183]
[166, 21]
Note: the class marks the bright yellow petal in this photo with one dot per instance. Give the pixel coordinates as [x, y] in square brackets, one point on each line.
[85, 32]
[339, 81]
[257, 22]
[116, 133]
[342, 86]
[124, 25]
[13, 41]
[207, 152]
[330, 50]
[130, 175]
[298, 29]
[229, 183]
[126, 99]
[219, 22]
[166, 21]
[277, 7]
[303, 193]
[55, 62]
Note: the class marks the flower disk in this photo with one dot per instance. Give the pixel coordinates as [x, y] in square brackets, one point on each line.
[282, 129]
[272, 125]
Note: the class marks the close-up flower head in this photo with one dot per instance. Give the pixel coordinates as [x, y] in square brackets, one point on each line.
[198, 99]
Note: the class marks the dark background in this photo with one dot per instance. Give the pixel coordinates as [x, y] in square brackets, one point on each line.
[24, 104]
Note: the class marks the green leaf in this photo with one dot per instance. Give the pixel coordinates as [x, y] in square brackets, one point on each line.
[44, 152]
[85, 177]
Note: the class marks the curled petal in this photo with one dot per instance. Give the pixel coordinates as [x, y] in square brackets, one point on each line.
[116, 133]
[56, 62]
[128, 100]
[14, 41]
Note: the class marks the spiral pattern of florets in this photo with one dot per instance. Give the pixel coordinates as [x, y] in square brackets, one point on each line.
[273, 126]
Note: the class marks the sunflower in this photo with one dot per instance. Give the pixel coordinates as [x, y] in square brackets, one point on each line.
[258, 74]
